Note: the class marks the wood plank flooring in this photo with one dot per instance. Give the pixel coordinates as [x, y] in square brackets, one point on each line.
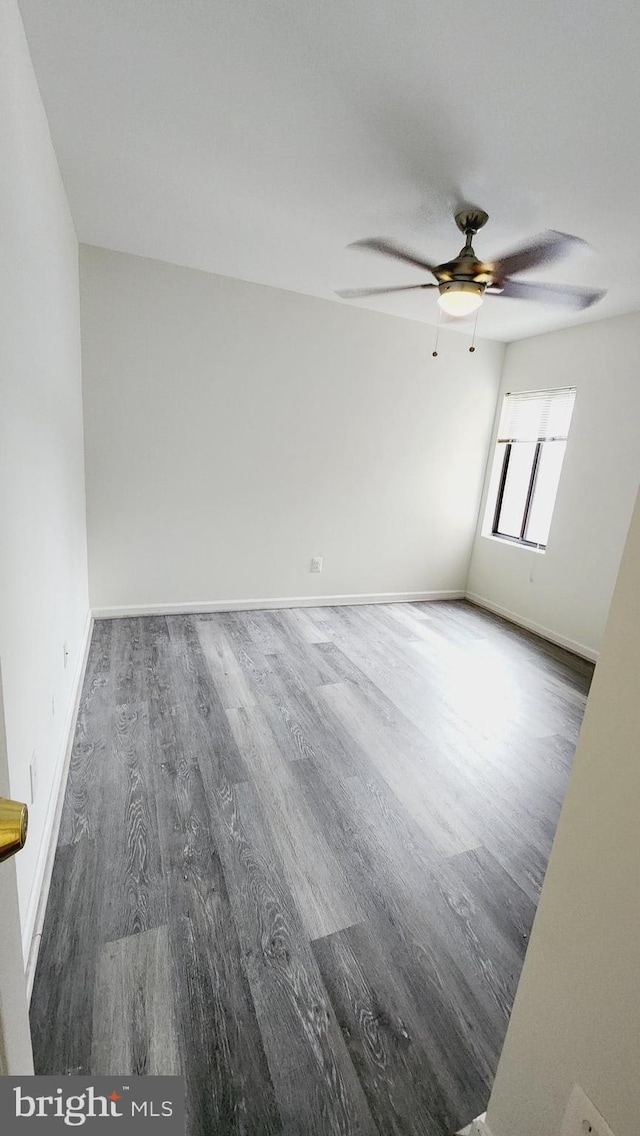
[299, 859]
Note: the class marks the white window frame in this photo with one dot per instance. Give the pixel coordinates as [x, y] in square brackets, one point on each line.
[507, 437]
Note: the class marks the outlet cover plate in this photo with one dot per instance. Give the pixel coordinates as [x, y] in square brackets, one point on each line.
[582, 1117]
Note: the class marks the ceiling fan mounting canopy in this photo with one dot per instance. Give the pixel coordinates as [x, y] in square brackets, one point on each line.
[463, 281]
[470, 220]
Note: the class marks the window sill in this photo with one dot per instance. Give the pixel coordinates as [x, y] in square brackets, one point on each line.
[513, 544]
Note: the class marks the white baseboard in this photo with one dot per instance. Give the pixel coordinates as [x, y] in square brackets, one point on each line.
[478, 1127]
[544, 632]
[34, 919]
[205, 606]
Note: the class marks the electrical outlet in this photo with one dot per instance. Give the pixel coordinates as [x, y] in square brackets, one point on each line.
[316, 564]
[582, 1117]
[53, 706]
[65, 655]
[33, 776]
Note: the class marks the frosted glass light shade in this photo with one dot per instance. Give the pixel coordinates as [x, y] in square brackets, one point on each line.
[460, 298]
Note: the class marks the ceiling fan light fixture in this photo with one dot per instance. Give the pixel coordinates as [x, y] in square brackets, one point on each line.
[463, 280]
[460, 297]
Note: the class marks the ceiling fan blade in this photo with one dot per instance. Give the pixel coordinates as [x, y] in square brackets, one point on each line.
[562, 294]
[391, 248]
[356, 293]
[543, 249]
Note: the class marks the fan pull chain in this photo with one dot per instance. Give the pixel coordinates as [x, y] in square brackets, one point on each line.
[473, 337]
[435, 346]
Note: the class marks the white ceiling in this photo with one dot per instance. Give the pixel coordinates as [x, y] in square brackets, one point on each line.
[257, 138]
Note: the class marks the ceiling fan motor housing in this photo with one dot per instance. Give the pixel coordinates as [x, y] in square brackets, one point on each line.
[473, 286]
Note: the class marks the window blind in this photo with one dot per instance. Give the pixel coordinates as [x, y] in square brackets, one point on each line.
[533, 416]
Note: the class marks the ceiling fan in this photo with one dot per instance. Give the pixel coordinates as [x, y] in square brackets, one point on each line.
[463, 281]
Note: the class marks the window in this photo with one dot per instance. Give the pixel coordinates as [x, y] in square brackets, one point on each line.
[532, 438]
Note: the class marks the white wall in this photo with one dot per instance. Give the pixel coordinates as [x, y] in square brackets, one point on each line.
[233, 431]
[567, 590]
[43, 594]
[576, 1017]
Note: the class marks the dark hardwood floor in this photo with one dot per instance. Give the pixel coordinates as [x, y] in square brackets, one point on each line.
[299, 859]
